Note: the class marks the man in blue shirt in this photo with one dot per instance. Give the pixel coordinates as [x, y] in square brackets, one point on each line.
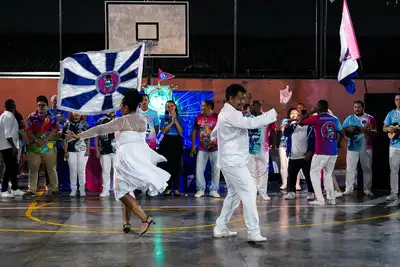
[391, 126]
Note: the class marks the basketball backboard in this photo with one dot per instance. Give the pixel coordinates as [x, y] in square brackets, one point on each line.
[166, 24]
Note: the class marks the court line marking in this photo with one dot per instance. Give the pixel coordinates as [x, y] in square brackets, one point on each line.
[44, 207]
[33, 207]
[238, 229]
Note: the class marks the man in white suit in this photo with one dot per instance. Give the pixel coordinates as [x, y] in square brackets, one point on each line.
[231, 133]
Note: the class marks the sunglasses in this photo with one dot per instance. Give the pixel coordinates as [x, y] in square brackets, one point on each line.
[41, 105]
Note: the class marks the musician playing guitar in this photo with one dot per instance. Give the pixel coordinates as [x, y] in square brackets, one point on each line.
[360, 129]
[391, 126]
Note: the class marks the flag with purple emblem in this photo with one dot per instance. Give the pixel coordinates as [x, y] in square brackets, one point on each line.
[96, 82]
[349, 52]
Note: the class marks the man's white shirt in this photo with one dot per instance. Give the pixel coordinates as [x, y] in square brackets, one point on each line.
[8, 129]
[231, 133]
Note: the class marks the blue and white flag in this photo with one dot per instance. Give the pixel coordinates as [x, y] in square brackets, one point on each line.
[96, 82]
[349, 52]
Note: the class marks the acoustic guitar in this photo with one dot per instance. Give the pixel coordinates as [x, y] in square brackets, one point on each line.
[396, 134]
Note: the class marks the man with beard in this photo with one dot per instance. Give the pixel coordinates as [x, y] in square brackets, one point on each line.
[360, 129]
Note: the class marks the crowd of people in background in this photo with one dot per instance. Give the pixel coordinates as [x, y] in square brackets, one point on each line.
[308, 147]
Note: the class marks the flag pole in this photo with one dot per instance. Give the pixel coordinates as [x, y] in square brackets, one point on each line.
[364, 78]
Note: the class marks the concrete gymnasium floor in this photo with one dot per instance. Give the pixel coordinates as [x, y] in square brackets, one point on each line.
[65, 231]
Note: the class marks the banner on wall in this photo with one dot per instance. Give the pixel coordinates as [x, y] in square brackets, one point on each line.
[96, 82]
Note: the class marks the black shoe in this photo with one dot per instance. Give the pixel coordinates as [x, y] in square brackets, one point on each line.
[28, 195]
[148, 225]
[126, 228]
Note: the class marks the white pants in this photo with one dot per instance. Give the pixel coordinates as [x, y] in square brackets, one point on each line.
[258, 167]
[201, 163]
[77, 168]
[352, 159]
[326, 163]
[107, 162]
[394, 161]
[240, 187]
[284, 165]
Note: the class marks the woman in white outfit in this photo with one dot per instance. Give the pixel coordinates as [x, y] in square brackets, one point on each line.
[135, 163]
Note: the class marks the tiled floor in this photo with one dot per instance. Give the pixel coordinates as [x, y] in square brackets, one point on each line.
[77, 232]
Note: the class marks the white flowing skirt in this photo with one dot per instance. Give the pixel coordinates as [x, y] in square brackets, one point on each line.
[136, 167]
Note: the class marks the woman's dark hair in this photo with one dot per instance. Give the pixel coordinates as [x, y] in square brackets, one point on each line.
[132, 100]
[176, 107]
[289, 111]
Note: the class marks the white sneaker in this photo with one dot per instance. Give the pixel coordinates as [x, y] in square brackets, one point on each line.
[256, 238]
[220, 234]
[73, 193]
[347, 192]
[290, 195]
[332, 201]
[6, 195]
[199, 194]
[214, 194]
[310, 196]
[368, 193]
[82, 193]
[391, 197]
[317, 203]
[265, 196]
[105, 194]
[17, 192]
[338, 194]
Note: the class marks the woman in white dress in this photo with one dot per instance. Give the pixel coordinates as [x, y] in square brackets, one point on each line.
[135, 164]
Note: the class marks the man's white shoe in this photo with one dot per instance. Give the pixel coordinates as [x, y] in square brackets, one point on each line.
[368, 193]
[265, 196]
[338, 194]
[256, 238]
[290, 195]
[310, 196]
[105, 194]
[347, 192]
[225, 233]
[199, 194]
[317, 203]
[73, 193]
[6, 195]
[214, 194]
[82, 193]
[391, 197]
[17, 192]
[332, 201]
